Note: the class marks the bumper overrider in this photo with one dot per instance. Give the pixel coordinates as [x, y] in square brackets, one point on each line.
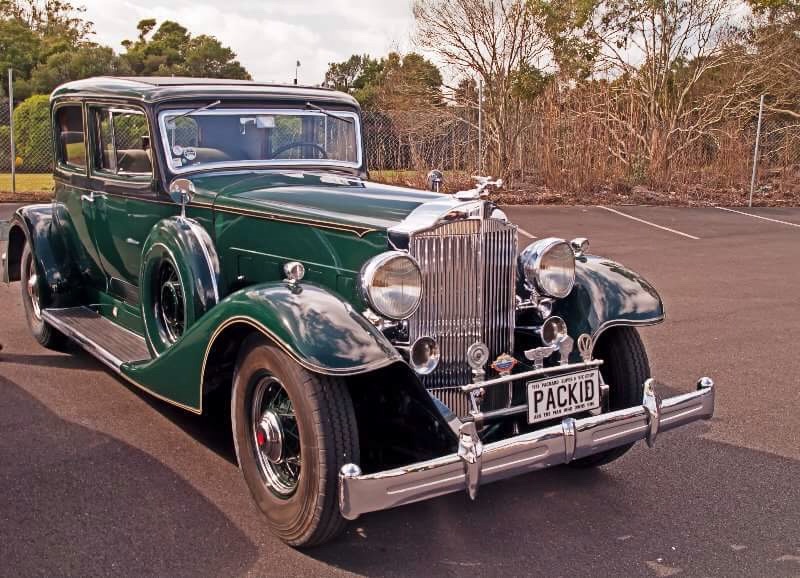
[476, 463]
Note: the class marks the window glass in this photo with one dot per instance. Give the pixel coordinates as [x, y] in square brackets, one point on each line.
[245, 137]
[122, 144]
[71, 146]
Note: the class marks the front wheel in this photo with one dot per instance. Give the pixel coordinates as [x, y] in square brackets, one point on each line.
[293, 431]
[625, 369]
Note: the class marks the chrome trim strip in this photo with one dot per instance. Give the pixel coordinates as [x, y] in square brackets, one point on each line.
[558, 444]
[541, 372]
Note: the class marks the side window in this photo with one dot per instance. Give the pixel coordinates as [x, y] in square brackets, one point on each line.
[122, 142]
[70, 135]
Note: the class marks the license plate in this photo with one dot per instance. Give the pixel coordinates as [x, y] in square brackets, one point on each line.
[556, 397]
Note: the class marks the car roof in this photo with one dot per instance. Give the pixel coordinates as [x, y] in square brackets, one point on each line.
[153, 89]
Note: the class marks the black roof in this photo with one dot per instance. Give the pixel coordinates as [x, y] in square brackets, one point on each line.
[163, 88]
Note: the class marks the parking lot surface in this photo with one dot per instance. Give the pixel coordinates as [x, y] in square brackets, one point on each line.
[97, 478]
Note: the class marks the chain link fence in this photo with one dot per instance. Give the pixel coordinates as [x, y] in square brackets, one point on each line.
[778, 158]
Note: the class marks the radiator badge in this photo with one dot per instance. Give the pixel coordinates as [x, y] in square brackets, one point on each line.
[504, 364]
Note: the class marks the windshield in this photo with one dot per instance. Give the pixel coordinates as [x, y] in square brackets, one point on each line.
[237, 137]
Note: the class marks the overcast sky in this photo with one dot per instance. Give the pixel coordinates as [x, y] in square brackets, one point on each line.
[269, 36]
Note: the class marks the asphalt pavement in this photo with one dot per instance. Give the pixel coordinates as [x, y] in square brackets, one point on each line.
[97, 478]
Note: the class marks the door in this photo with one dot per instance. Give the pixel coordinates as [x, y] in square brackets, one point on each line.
[74, 211]
[125, 199]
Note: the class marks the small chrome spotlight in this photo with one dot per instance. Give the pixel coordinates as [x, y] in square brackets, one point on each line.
[294, 271]
[424, 355]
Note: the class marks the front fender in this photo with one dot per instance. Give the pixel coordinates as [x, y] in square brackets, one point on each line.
[607, 294]
[34, 224]
[321, 331]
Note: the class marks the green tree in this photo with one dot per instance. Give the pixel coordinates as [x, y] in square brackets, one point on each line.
[399, 82]
[172, 50]
[19, 48]
[85, 61]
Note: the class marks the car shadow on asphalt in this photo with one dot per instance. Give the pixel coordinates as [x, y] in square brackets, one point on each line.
[78, 502]
[566, 521]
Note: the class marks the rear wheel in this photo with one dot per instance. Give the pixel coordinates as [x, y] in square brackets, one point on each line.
[625, 369]
[31, 286]
[293, 431]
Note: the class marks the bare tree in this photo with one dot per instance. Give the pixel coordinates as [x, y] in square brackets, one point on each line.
[492, 40]
[658, 54]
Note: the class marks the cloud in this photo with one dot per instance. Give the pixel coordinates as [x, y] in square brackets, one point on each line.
[271, 35]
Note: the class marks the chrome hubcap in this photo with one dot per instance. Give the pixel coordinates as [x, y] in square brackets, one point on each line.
[170, 307]
[33, 290]
[276, 437]
[269, 437]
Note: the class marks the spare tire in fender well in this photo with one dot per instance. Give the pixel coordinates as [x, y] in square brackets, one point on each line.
[186, 247]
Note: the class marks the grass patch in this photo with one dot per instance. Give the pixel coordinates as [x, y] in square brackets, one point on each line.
[30, 187]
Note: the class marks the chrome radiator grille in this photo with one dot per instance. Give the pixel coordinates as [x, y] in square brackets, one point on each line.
[468, 270]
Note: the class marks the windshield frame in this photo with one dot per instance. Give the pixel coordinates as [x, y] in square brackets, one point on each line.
[262, 163]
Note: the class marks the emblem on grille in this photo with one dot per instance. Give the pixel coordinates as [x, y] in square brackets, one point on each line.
[585, 346]
[504, 364]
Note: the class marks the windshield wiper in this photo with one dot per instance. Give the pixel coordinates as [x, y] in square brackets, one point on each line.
[330, 114]
[196, 110]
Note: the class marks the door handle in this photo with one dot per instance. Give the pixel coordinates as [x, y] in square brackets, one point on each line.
[93, 196]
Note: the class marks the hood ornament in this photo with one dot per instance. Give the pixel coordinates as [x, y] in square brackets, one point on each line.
[482, 185]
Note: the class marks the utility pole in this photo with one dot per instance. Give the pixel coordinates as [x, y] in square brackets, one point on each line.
[296, 68]
[11, 131]
[755, 152]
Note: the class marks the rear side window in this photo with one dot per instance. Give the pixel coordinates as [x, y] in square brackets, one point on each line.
[71, 137]
[121, 142]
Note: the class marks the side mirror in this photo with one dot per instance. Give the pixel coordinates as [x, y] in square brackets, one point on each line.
[182, 191]
[434, 181]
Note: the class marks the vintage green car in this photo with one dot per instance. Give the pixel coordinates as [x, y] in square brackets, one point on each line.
[219, 242]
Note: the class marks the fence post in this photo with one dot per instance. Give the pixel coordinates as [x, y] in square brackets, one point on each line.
[11, 131]
[755, 151]
[480, 126]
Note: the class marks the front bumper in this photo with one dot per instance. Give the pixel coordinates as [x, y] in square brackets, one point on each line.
[475, 463]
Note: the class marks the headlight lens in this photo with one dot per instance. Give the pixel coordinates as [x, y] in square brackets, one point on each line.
[392, 284]
[549, 267]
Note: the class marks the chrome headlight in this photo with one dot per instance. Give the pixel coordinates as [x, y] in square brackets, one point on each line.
[548, 266]
[391, 283]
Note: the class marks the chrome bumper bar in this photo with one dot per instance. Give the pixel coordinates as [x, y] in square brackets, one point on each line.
[476, 463]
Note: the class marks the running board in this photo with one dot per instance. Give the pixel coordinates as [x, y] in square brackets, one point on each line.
[111, 344]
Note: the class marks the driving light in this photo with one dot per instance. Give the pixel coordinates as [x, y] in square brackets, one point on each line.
[424, 355]
[391, 283]
[554, 330]
[548, 267]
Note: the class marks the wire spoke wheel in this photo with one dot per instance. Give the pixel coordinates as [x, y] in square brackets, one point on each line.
[170, 304]
[276, 436]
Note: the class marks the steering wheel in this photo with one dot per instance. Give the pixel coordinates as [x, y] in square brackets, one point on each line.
[296, 144]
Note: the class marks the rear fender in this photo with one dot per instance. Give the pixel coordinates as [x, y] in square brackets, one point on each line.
[318, 329]
[607, 294]
[34, 224]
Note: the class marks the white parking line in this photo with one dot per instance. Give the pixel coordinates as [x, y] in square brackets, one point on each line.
[631, 217]
[759, 217]
[525, 233]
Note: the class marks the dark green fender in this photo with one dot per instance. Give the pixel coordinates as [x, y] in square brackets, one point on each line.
[608, 294]
[34, 223]
[322, 332]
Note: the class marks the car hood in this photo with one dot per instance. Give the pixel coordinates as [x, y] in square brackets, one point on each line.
[312, 197]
